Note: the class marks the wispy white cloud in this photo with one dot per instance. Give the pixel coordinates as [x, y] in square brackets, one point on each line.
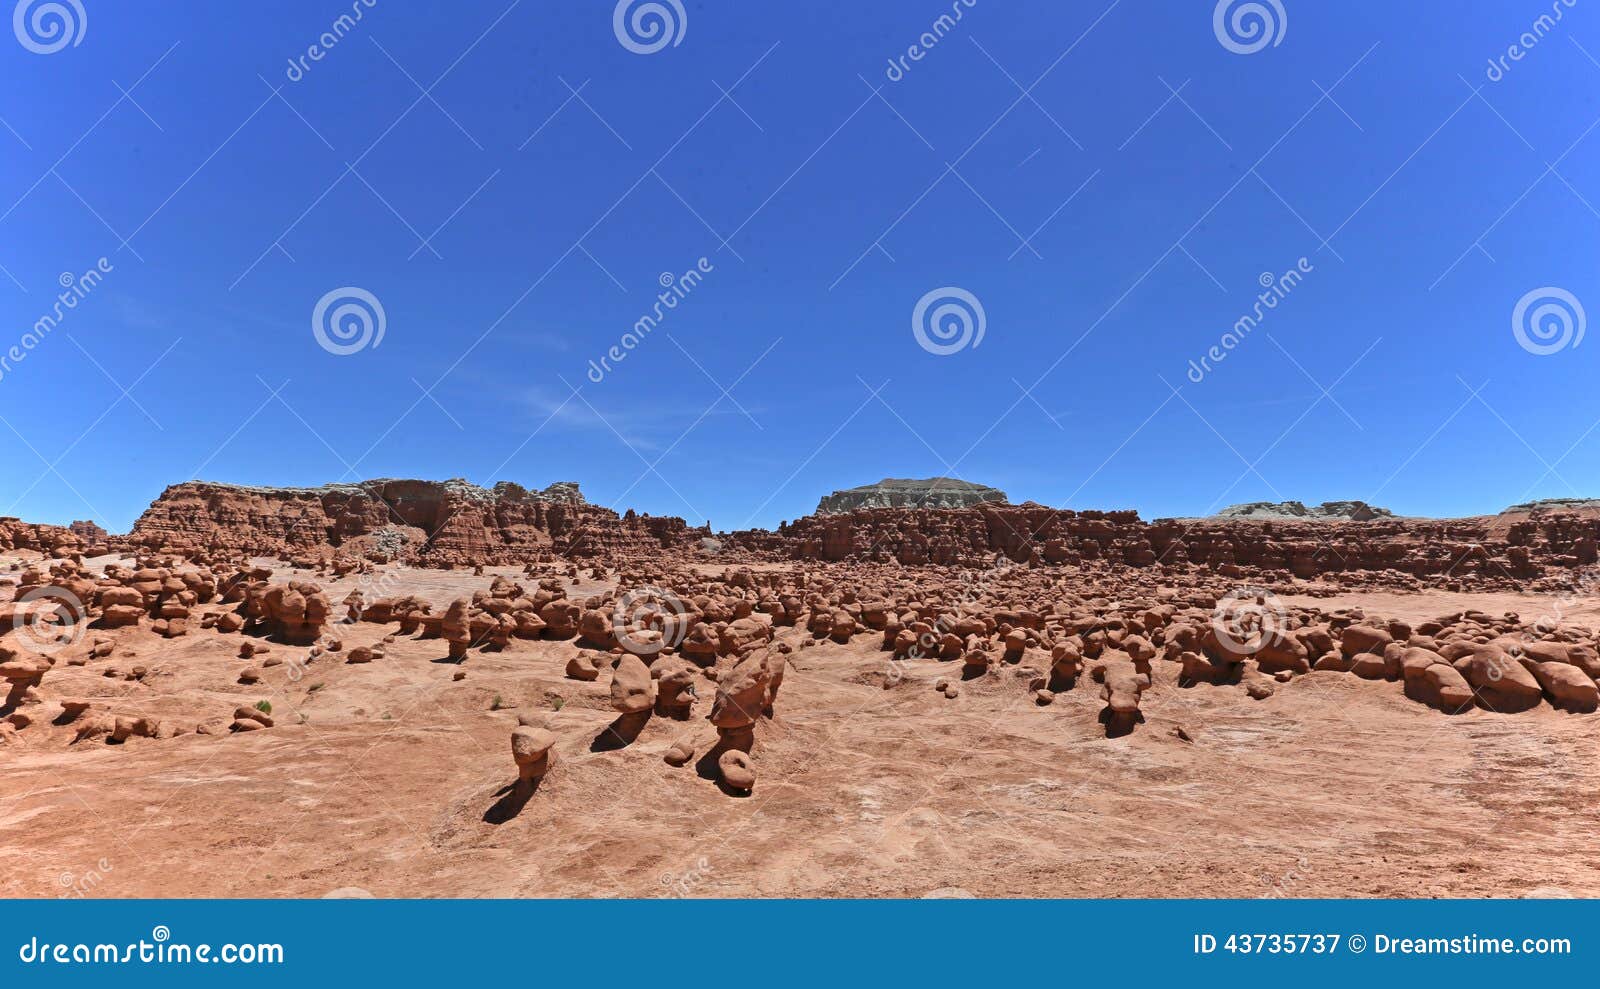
[651, 429]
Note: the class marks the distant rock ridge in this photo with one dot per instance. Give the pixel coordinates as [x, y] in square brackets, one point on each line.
[90, 532]
[456, 523]
[932, 492]
[565, 491]
[1328, 511]
[1501, 551]
[1554, 505]
[436, 523]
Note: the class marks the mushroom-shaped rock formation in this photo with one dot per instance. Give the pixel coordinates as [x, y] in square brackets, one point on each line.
[533, 750]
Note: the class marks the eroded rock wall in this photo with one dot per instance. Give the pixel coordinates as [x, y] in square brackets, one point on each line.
[1508, 548]
[439, 523]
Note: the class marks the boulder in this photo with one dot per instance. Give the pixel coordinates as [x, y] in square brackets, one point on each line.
[632, 689]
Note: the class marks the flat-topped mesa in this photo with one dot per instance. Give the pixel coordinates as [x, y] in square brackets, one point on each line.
[1548, 505]
[933, 492]
[428, 523]
[1328, 511]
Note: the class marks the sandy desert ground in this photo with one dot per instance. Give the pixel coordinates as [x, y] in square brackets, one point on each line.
[394, 778]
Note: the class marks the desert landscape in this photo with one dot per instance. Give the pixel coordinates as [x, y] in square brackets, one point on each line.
[430, 688]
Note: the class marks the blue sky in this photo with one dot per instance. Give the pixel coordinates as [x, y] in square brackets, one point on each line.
[514, 223]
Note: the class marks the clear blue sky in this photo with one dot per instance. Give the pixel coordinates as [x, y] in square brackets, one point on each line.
[1112, 232]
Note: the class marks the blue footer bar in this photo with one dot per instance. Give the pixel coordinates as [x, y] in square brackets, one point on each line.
[175, 942]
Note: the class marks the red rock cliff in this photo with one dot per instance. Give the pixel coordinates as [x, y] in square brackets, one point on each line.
[1511, 548]
[430, 523]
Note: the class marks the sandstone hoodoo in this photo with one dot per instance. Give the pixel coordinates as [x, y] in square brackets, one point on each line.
[933, 492]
